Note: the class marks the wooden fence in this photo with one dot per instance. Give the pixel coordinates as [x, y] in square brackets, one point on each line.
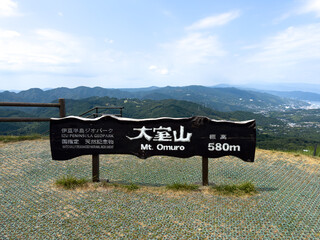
[61, 105]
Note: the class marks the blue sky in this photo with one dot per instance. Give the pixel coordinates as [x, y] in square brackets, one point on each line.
[140, 43]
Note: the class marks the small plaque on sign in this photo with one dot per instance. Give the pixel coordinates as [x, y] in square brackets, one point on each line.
[179, 137]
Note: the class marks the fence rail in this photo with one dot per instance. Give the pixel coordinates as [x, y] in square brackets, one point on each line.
[22, 119]
[94, 112]
[61, 105]
[24, 104]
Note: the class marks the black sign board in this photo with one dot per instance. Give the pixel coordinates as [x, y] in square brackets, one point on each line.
[179, 137]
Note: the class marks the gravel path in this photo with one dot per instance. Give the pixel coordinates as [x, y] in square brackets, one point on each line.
[31, 207]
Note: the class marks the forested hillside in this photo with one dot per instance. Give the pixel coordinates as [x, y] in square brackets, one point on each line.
[278, 130]
[220, 99]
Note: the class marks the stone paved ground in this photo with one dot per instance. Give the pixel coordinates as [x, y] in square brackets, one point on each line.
[31, 207]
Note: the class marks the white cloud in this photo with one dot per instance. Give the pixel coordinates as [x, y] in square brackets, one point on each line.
[291, 55]
[107, 40]
[8, 34]
[164, 71]
[8, 8]
[311, 6]
[41, 50]
[53, 58]
[196, 48]
[159, 70]
[192, 59]
[305, 6]
[214, 21]
[153, 67]
[294, 45]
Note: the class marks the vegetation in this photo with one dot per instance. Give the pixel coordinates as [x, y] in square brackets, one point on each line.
[221, 99]
[11, 138]
[285, 143]
[182, 187]
[131, 187]
[71, 182]
[128, 187]
[236, 189]
[310, 151]
[299, 131]
[286, 130]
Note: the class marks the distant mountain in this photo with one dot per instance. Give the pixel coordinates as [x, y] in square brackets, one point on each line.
[220, 99]
[266, 87]
[133, 108]
[38, 95]
[308, 96]
[312, 95]
[223, 99]
[138, 89]
[295, 129]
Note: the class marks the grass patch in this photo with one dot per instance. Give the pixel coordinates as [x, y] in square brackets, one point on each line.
[306, 151]
[131, 187]
[10, 138]
[236, 189]
[309, 151]
[182, 187]
[70, 182]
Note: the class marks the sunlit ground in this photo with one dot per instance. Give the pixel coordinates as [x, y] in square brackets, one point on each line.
[33, 207]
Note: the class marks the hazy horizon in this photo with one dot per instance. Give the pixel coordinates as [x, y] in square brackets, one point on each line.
[281, 87]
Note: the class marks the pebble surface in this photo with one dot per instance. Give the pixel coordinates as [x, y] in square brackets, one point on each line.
[32, 207]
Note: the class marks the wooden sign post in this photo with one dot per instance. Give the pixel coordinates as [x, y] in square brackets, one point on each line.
[95, 168]
[205, 171]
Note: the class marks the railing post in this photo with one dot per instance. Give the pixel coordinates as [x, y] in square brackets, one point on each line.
[315, 150]
[205, 170]
[62, 107]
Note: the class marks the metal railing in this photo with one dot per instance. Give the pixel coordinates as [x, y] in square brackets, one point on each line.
[94, 112]
[61, 105]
